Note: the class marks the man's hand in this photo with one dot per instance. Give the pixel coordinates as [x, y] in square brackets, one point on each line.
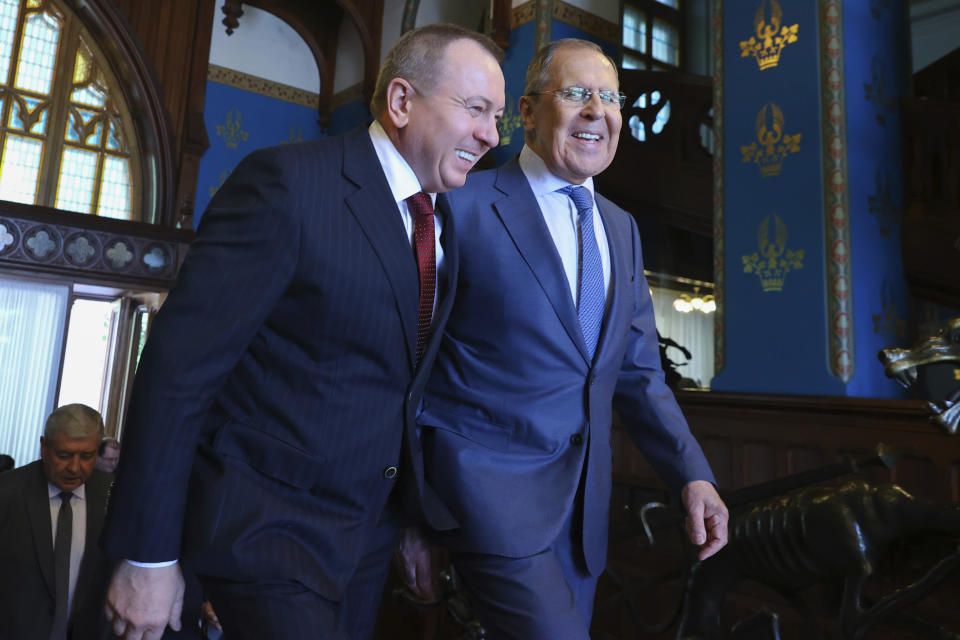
[706, 517]
[208, 615]
[412, 558]
[142, 601]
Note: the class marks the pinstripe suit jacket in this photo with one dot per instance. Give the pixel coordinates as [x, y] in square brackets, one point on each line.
[280, 377]
[518, 416]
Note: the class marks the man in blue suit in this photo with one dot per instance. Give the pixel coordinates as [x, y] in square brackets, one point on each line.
[270, 438]
[552, 329]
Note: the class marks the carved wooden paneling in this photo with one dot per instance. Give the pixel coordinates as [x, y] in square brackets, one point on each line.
[751, 438]
[175, 36]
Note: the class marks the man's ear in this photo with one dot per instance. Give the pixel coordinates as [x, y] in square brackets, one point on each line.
[399, 94]
[525, 107]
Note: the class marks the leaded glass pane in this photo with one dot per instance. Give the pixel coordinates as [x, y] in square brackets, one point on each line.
[666, 42]
[634, 29]
[9, 9]
[90, 94]
[20, 169]
[633, 62]
[113, 140]
[78, 170]
[38, 53]
[28, 114]
[74, 123]
[115, 188]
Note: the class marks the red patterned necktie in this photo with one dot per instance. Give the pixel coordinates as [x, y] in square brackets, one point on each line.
[421, 208]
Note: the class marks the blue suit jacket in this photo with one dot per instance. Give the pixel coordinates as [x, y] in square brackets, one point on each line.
[520, 416]
[280, 377]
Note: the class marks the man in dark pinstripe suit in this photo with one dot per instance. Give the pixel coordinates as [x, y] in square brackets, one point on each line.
[274, 402]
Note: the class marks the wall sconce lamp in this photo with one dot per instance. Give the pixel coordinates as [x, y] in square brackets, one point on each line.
[685, 303]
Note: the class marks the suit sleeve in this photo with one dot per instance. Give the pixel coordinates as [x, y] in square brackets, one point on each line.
[242, 260]
[645, 403]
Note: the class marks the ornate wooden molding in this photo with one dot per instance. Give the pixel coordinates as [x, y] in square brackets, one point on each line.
[84, 247]
[568, 14]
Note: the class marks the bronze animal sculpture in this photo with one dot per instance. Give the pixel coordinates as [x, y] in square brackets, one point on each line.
[819, 534]
[939, 354]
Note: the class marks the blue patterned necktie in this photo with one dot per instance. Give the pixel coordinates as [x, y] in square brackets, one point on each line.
[591, 297]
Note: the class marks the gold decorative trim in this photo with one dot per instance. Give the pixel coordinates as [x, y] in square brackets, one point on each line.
[262, 86]
[586, 22]
[346, 96]
[522, 14]
[571, 15]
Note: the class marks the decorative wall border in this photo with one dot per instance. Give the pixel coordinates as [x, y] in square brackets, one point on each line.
[541, 26]
[836, 192]
[262, 86]
[44, 244]
[567, 14]
[719, 280]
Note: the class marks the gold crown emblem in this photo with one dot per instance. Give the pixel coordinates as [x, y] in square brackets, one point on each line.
[774, 261]
[771, 37]
[773, 145]
[508, 123]
[231, 132]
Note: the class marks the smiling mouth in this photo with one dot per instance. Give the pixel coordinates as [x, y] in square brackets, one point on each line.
[590, 137]
[466, 155]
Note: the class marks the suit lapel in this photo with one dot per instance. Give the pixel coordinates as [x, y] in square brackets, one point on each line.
[521, 215]
[621, 275]
[38, 510]
[373, 206]
[96, 512]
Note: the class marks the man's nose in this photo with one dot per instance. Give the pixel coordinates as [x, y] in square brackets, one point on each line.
[487, 133]
[593, 107]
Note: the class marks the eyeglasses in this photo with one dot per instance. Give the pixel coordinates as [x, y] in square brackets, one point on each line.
[581, 96]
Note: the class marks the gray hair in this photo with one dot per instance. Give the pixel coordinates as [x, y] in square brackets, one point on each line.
[75, 421]
[538, 71]
[418, 58]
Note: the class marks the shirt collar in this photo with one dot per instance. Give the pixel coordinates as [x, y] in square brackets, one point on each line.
[401, 178]
[54, 491]
[541, 180]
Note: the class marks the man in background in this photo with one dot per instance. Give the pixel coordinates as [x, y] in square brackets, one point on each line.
[108, 455]
[552, 329]
[54, 576]
[270, 441]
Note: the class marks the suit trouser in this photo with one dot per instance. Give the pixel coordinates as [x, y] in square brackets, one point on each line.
[546, 596]
[282, 610]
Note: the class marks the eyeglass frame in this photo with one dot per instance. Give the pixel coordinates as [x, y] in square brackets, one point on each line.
[621, 97]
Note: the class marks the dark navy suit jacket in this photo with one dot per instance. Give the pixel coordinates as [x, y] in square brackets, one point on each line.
[280, 377]
[514, 407]
[26, 558]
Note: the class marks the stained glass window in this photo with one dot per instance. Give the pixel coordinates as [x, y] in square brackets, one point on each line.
[64, 128]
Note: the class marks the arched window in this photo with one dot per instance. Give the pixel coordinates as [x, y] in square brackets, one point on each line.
[66, 135]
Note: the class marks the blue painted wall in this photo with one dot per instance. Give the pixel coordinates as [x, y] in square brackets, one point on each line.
[877, 78]
[776, 340]
[239, 122]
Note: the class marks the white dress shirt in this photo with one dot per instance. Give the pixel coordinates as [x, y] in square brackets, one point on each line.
[561, 216]
[78, 536]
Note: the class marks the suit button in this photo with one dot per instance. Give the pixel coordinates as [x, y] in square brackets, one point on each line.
[576, 439]
[390, 472]
[593, 380]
